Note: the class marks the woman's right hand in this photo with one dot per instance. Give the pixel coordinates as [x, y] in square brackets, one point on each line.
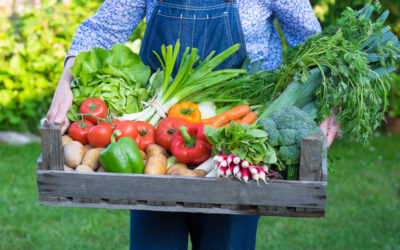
[62, 99]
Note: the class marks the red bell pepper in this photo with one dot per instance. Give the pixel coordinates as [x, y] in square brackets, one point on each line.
[190, 145]
[146, 135]
[166, 130]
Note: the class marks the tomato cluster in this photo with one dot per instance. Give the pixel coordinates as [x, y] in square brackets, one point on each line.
[96, 129]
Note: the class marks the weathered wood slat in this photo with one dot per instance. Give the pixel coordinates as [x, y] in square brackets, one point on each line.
[324, 176]
[51, 146]
[40, 162]
[311, 157]
[184, 189]
[315, 213]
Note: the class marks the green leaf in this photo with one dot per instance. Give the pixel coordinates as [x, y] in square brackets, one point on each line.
[257, 133]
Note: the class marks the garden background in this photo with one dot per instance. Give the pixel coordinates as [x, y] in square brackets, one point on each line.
[363, 208]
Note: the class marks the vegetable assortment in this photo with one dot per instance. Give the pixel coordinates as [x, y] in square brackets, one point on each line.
[236, 123]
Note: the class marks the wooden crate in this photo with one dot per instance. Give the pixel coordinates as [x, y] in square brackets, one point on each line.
[303, 198]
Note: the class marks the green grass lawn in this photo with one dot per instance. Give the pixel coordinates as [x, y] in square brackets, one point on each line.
[363, 207]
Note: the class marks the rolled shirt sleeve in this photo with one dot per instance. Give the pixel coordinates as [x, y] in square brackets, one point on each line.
[296, 19]
[114, 22]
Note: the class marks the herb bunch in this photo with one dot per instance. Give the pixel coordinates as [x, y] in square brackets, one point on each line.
[342, 70]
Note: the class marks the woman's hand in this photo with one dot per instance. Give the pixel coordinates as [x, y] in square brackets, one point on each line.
[62, 99]
[331, 129]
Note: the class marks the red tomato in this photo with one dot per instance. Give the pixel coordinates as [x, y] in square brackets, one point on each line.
[96, 107]
[145, 136]
[127, 128]
[166, 129]
[116, 121]
[100, 135]
[78, 131]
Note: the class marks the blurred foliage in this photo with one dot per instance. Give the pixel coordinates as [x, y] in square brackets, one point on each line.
[32, 50]
[328, 10]
[394, 108]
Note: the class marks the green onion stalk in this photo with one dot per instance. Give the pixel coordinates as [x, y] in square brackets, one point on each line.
[188, 82]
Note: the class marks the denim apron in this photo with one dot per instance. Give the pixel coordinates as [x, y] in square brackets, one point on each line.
[203, 24]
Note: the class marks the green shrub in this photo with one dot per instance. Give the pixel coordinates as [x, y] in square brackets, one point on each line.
[32, 49]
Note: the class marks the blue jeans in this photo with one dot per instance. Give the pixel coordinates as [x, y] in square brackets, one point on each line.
[165, 230]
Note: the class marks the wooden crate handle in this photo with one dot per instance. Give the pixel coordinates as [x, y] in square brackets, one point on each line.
[51, 146]
[312, 159]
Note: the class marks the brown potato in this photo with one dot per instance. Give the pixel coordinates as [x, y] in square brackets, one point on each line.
[184, 172]
[156, 164]
[101, 169]
[66, 168]
[154, 149]
[73, 154]
[143, 154]
[176, 166]
[200, 172]
[83, 168]
[87, 147]
[91, 158]
[65, 139]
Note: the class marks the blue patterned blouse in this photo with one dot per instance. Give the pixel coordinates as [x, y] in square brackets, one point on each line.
[115, 21]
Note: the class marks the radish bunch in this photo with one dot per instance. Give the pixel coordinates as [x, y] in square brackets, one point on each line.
[232, 166]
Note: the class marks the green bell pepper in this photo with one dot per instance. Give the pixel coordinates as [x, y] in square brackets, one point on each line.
[122, 156]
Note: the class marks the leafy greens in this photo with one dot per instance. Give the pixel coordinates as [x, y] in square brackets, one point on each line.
[117, 76]
[248, 142]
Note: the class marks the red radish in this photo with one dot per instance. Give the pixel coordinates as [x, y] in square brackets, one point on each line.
[236, 169]
[261, 174]
[224, 163]
[239, 176]
[245, 174]
[245, 164]
[220, 150]
[252, 169]
[236, 160]
[221, 171]
[228, 172]
[265, 168]
[255, 176]
[230, 158]
[218, 158]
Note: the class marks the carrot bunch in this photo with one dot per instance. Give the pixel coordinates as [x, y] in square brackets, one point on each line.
[241, 114]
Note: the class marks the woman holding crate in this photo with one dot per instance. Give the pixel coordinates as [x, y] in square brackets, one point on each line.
[207, 25]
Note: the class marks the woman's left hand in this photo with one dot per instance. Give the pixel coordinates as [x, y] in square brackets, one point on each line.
[331, 129]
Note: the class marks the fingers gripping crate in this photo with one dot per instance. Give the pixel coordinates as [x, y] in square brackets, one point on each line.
[303, 198]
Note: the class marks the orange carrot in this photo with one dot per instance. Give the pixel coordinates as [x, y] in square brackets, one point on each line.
[233, 114]
[209, 120]
[226, 124]
[249, 118]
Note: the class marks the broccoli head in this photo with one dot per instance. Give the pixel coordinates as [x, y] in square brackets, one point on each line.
[272, 130]
[286, 128]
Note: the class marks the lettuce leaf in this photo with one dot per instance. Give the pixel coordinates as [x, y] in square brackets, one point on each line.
[117, 76]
